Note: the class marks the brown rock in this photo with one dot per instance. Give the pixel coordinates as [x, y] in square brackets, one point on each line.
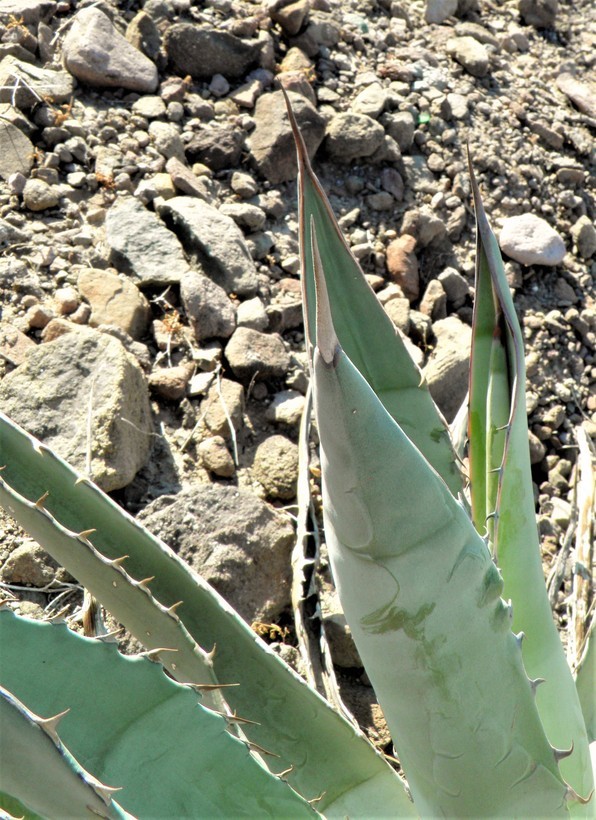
[434, 301]
[216, 457]
[402, 265]
[114, 301]
[14, 345]
[170, 382]
[275, 467]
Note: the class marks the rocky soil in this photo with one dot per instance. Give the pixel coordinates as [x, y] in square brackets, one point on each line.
[151, 325]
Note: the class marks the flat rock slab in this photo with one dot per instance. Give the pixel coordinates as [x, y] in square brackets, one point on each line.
[23, 84]
[530, 240]
[84, 373]
[236, 542]
[96, 53]
[142, 246]
[203, 52]
[16, 151]
[114, 300]
[214, 240]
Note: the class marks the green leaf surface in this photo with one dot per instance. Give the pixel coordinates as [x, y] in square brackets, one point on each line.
[38, 771]
[365, 331]
[501, 487]
[329, 757]
[133, 727]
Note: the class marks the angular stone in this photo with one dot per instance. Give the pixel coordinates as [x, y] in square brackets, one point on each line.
[275, 467]
[80, 379]
[351, 136]
[23, 84]
[142, 246]
[402, 265]
[583, 95]
[447, 370]
[224, 403]
[29, 564]
[272, 144]
[539, 13]
[236, 542]
[14, 344]
[215, 240]
[286, 408]
[437, 11]
[203, 52]
[171, 382]
[290, 16]
[114, 300]
[469, 53]
[217, 146]
[216, 457]
[39, 196]
[584, 236]
[16, 150]
[31, 11]
[209, 310]
[259, 355]
[97, 54]
[370, 101]
[143, 34]
[530, 240]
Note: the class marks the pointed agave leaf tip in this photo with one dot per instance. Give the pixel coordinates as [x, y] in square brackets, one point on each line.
[298, 138]
[326, 339]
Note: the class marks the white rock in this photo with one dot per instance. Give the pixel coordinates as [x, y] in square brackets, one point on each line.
[531, 241]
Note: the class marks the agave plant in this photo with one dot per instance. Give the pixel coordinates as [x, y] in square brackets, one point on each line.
[439, 576]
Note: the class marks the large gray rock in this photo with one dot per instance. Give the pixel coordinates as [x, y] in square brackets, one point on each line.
[237, 543]
[530, 240]
[272, 144]
[95, 53]
[447, 370]
[214, 240]
[142, 246]
[203, 52]
[84, 379]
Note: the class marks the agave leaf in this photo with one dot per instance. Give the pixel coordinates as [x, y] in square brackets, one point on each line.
[422, 597]
[328, 756]
[586, 682]
[132, 726]
[381, 357]
[501, 482]
[37, 768]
